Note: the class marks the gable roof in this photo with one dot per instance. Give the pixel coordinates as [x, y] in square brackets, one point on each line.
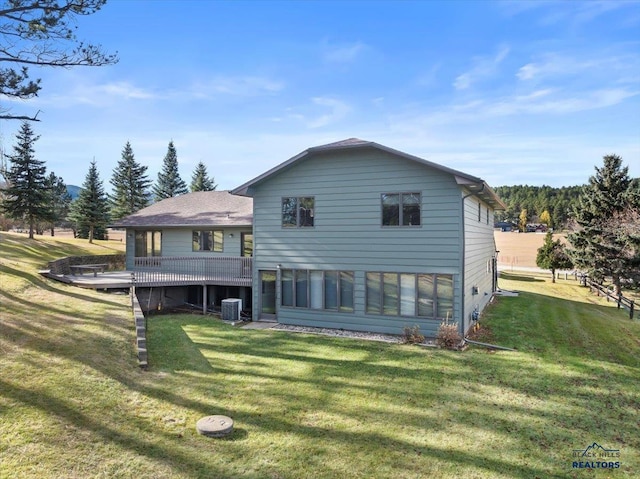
[474, 184]
[202, 208]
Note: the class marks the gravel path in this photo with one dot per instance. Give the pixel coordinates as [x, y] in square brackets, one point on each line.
[387, 338]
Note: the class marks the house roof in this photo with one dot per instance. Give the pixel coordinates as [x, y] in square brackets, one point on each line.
[474, 184]
[203, 208]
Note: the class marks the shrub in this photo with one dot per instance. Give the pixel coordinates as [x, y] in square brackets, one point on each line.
[412, 335]
[448, 335]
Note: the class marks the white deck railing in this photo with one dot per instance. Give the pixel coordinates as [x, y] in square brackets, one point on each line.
[188, 270]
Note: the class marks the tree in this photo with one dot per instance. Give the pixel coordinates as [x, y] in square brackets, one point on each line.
[602, 246]
[200, 180]
[169, 183]
[90, 209]
[522, 221]
[131, 186]
[545, 218]
[42, 33]
[552, 255]
[26, 195]
[59, 200]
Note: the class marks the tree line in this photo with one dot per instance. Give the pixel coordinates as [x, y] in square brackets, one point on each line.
[538, 204]
[38, 200]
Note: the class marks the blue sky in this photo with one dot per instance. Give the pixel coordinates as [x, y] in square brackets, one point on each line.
[514, 92]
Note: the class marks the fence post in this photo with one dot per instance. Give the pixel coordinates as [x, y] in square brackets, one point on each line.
[631, 303]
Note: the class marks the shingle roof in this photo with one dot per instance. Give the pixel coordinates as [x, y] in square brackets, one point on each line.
[203, 208]
[474, 184]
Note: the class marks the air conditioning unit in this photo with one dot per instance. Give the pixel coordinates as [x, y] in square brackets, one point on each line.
[231, 309]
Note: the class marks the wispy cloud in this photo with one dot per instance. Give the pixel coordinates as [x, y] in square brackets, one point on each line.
[244, 86]
[334, 111]
[483, 67]
[342, 53]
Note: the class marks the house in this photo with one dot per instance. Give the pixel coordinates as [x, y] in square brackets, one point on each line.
[359, 236]
[199, 245]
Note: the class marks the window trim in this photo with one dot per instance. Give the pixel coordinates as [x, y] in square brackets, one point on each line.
[293, 274]
[298, 200]
[213, 241]
[416, 305]
[400, 209]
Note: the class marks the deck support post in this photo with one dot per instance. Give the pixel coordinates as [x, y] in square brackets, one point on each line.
[204, 299]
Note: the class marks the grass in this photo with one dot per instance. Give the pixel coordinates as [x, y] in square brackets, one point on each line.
[73, 404]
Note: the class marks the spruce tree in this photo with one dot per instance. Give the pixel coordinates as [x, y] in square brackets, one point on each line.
[598, 247]
[200, 180]
[59, 200]
[26, 196]
[169, 183]
[552, 256]
[90, 210]
[130, 186]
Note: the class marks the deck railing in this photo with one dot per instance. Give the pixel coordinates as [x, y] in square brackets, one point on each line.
[189, 270]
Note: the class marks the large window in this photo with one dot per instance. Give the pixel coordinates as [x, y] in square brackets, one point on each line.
[408, 294]
[316, 289]
[148, 243]
[298, 212]
[207, 240]
[401, 209]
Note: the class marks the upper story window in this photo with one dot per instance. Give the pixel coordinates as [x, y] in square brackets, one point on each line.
[401, 209]
[207, 240]
[298, 212]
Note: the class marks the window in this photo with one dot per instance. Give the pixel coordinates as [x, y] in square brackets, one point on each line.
[487, 215]
[401, 209]
[148, 243]
[408, 294]
[207, 240]
[317, 289]
[298, 212]
[246, 244]
[479, 211]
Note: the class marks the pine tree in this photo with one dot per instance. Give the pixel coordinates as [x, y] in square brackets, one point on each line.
[90, 209]
[59, 200]
[130, 186]
[26, 196]
[552, 255]
[599, 248]
[200, 180]
[169, 183]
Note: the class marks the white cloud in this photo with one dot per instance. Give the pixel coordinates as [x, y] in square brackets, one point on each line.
[345, 53]
[483, 67]
[244, 86]
[338, 110]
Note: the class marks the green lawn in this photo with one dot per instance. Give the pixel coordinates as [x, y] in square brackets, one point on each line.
[74, 404]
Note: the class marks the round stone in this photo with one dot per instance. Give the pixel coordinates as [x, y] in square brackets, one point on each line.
[215, 426]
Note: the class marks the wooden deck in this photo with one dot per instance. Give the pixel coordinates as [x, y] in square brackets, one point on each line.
[163, 271]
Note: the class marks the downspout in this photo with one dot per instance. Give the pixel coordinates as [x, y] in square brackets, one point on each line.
[464, 255]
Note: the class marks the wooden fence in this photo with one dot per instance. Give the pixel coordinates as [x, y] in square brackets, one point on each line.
[600, 290]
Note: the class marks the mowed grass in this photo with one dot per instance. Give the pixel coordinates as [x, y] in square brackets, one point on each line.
[74, 404]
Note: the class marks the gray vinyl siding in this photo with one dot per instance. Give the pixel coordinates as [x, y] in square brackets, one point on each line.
[347, 234]
[479, 250]
[177, 242]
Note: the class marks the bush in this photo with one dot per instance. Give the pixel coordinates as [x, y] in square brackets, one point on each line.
[448, 335]
[411, 335]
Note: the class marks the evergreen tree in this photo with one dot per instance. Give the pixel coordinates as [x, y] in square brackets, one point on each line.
[26, 195]
[200, 180]
[130, 186]
[59, 200]
[599, 246]
[90, 209]
[552, 255]
[169, 183]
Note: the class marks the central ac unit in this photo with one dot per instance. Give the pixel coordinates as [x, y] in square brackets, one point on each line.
[231, 309]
